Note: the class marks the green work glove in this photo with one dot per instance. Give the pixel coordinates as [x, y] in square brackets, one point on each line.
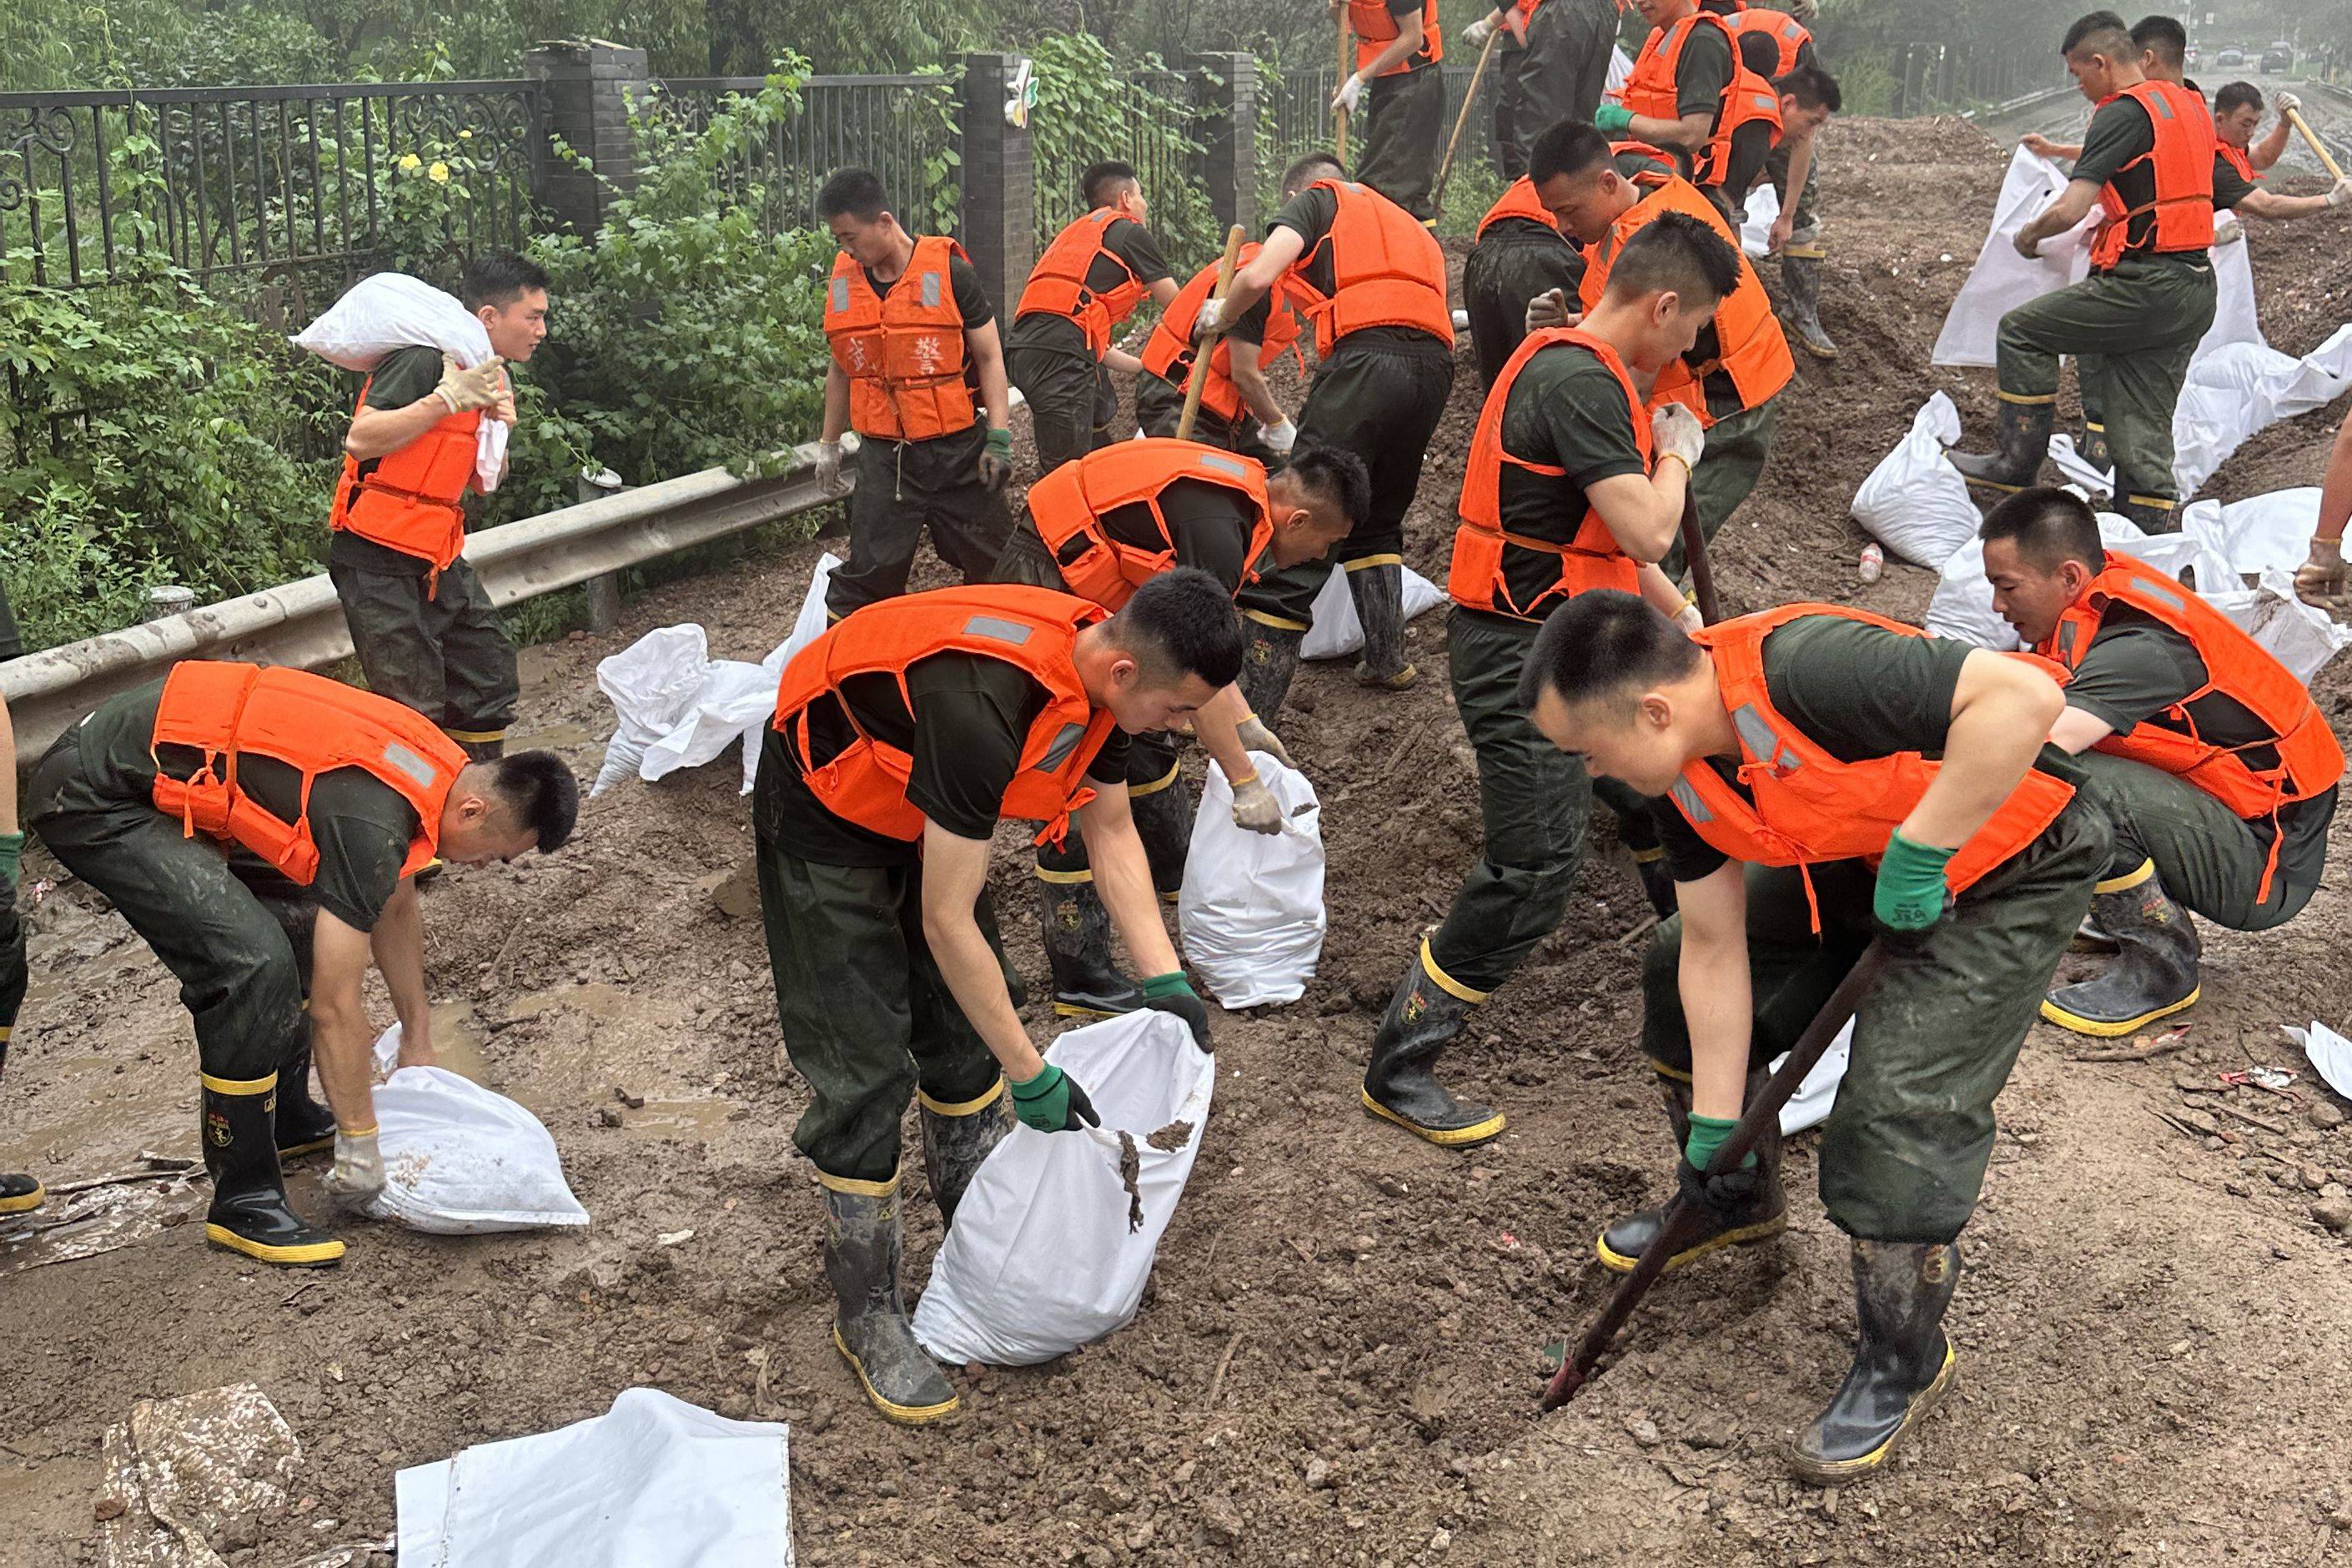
[996, 462]
[1910, 895]
[1171, 992]
[1612, 117]
[1706, 1135]
[1053, 1102]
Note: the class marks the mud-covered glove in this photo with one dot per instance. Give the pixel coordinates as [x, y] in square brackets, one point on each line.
[829, 481]
[2228, 231]
[1548, 308]
[1053, 1101]
[996, 462]
[1676, 432]
[466, 390]
[2027, 246]
[2340, 193]
[1280, 438]
[1254, 736]
[1476, 34]
[2287, 104]
[358, 1174]
[1689, 619]
[1613, 119]
[1911, 895]
[1805, 11]
[1350, 93]
[1171, 992]
[1209, 320]
[1254, 807]
[1721, 1198]
[2317, 581]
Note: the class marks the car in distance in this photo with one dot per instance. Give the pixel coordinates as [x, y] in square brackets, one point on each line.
[2278, 59]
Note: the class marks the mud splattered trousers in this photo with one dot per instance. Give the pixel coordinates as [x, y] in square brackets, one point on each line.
[1805, 223]
[1904, 1153]
[1738, 447]
[1404, 137]
[1559, 75]
[1072, 405]
[429, 642]
[2207, 856]
[1505, 270]
[1159, 406]
[2131, 332]
[903, 488]
[234, 933]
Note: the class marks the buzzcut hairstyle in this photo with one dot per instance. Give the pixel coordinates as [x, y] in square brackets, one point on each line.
[1338, 476]
[1182, 623]
[857, 192]
[1813, 87]
[1571, 147]
[499, 277]
[2100, 33]
[1314, 166]
[1605, 645]
[1099, 183]
[2163, 37]
[1677, 252]
[2048, 526]
[538, 791]
[2235, 95]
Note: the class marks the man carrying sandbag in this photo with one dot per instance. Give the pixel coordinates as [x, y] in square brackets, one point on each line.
[421, 622]
[261, 828]
[902, 736]
[1102, 526]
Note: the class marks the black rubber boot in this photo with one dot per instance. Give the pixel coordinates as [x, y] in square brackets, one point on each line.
[2153, 973]
[2095, 448]
[1269, 663]
[478, 747]
[1903, 1364]
[869, 1326]
[2150, 515]
[1657, 882]
[1423, 1015]
[1378, 593]
[1086, 984]
[1801, 277]
[1620, 1246]
[250, 1213]
[2021, 440]
[957, 1138]
[20, 1194]
[1163, 820]
[303, 1126]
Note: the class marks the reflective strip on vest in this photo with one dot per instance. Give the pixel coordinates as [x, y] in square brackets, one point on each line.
[1219, 464]
[399, 756]
[930, 290]
[1064, 743]
[841, 293]
[999, 628]
[1763, 741]
[1685, 798]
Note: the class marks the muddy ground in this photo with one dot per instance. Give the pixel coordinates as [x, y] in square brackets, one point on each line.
[2151, 1330]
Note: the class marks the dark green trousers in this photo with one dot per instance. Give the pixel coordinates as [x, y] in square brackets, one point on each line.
[13, 975]
[435, 644]
[1404, 136]
[1904, 1153]
[1736, 451]
[1503, 271]
[2131, 332]
[2206, 856]
[904, 488]
[1804, 237]
[1072, 405]
[1159, 406]
[1559, 75]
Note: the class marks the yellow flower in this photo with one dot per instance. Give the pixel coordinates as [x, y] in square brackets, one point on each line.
[410, 160]
[464, 136]
[439, 173]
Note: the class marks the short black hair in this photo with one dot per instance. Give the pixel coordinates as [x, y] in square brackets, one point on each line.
[499, 277]
[539, 791]
[1604, 643]
[2237, 95]
[1679, 253]
[2100, 33]
[2163, 37]
[1813, 87]
[1338, 476]
[2048, 526]
[857, 192]
[1571, 147]
[1095, 186]
[1182, 623]
[1758, 52]
[1316, 166]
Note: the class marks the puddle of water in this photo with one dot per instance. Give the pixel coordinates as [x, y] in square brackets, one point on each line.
[565, 737]
[696, 1120]
[458, 1041]
[99, 1219]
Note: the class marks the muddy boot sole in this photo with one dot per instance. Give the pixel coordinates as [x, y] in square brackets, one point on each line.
[2056, 1010]
[899, 1415]
[1617, 1262]
[303, 1255]
[1481, 1132]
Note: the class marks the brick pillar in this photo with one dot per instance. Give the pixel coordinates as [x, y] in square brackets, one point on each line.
[582, 88]
[1226, 86]
[1000, 219]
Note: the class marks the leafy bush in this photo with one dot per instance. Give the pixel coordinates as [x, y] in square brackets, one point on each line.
[1091, 108]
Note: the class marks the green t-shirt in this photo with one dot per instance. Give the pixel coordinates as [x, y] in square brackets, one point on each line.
[2120, 133]
[362, 825]
[1311, 213]
[405, 376]
[1564, 410]
[1703, 72]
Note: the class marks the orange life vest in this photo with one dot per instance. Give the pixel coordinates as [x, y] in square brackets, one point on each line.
[1650, 90]
[1518, 200]
[1068, 505]
[1057, 284]
[1386, 270]
[412, 500]
[2238, 160]
[2308, 759]
[1376, 30]
[1168, 353]
[1808, 807]
[2182, 165]
[313, 725]
[903, 350]
[1749, 346]
[1590, 557]
[1788, 34]
[1035, 629]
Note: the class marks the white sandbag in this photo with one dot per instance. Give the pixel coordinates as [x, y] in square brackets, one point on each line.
[2301, 637]
[1621, 65]
[386, 311]
[2241, 388]
[2330, 1054]
[462, 1160]
[2001, 279]
[1811, 1105]
[2079, 472]
[1251, 909]
[653, 685]
[806, 629]
[1962, 604]
[1051, 1247]
[1338, 634]
[1763, 212]
[735, 700]
[2270, 532]
[2235, 318]
[1915, 502]
[654, 1482]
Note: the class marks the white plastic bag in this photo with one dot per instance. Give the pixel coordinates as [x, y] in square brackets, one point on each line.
[1051, 1247]
[654, 684]
[2330, 1053]
[1962, 604]
[2241, 388]
[462, 1160]
[1337, 633]
[2001, 279]
[1251, 909]
[806, 629]
[735, 700]
[2234, 316]
[1621, 65]
[1763, 212]
[654, 1482]
[2301, 637]
[1815, 1097]
[1915, 502]
[391, 310]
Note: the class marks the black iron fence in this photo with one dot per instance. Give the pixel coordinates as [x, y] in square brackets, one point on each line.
[1158, 109]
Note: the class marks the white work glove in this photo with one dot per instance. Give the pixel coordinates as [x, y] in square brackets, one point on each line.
[1676, 432]
[1255, 737]
[1476, 34]
[2339, 192]
[829, 481]
[1254, 807]
[2287, 104]
[466, 390]
[1548, 308]
[1352, 91]
[1281, 438]
[2228, 231]
[1210, 320]
[2320, 580]
[358, 1174]
[1805, 11]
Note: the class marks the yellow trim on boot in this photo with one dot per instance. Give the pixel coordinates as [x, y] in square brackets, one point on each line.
[1663, 1070]
[1067, 878]
[962, 1108]
[1618, 1263]
[1277, 622]
[25, 1203]
[474, 737]
[1072, 1010]
[903, 1415]
[2102, 1029]
[1443, 1137]
[2128, 881]
[2161, 503]
[856, 1188]
[239, 1087]
[1446, 982]
[1804, 253]
[2094, 424]
[1648, 857]
[1171, 900]
[2027, 399]
[1136, 791]
[310, 1255]
[293, 1150]
[1363, 563]
[1993, 485]
[1828, 1471]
